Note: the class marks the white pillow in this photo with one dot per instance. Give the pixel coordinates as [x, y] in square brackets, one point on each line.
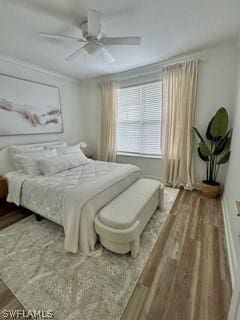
[69, 150]
[51, 166]
[29, 161]
[56, 145]
[13, 150]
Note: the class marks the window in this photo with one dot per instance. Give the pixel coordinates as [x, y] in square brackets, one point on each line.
[139, 119]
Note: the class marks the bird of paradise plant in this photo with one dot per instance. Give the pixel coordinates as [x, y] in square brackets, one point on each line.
[215, 150]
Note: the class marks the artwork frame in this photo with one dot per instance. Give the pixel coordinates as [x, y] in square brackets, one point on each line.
[29, 107]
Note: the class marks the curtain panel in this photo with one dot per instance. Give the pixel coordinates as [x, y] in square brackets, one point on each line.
[180, 94]
[107, 150]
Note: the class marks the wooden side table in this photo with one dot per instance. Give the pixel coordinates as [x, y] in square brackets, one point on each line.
[3, 188]
[91, 157]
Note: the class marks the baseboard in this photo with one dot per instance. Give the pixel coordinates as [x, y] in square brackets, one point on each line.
[232, 256]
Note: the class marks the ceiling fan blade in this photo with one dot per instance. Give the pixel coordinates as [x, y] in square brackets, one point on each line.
[107, 55]
[74, 54]
[94, 23]
[127, 41]
[56, 36]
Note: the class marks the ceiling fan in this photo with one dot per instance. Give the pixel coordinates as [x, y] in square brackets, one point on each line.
[93, 40]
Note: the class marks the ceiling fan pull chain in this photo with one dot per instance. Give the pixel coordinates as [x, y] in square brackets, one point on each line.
[101, 59]
[85, 62]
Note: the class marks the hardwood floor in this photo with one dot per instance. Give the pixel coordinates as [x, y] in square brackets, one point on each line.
[10, 214]
[187, 275]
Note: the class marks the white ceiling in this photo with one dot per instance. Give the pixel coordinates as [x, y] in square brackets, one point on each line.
[168, 28]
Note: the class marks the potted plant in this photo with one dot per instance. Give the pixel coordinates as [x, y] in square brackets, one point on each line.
[215, 151]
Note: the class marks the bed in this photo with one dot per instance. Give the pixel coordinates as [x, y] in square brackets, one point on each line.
[70, 198]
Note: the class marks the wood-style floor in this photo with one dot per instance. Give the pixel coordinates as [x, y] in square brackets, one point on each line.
[187, 275]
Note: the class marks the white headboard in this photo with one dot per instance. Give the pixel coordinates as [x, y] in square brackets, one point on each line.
[6, 162]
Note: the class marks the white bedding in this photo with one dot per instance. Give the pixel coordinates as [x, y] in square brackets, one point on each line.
[73, 197]
[15, 182]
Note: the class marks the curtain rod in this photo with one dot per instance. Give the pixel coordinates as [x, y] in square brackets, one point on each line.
[172, 62]
[156, 67]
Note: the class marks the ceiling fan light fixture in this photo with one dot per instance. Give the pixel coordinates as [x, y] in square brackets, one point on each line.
[91, 47]
[93, 40]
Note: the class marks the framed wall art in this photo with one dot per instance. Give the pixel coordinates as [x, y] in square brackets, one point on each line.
[28, 107]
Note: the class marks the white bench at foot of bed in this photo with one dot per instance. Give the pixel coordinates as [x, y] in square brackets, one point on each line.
[120, 223]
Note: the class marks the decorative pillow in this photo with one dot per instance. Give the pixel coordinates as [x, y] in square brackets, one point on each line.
[29, 160]
[13, 150]
[51, 166]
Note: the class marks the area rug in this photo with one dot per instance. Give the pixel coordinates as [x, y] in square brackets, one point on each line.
[35, 267]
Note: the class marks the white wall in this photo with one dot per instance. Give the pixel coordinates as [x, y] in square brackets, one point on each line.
[151, 167]
[71, 100]
[217, 86]
[232, 186]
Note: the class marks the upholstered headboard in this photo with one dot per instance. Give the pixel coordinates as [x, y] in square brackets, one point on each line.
[6, 162]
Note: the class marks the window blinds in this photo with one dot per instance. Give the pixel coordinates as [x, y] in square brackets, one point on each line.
[139, 119]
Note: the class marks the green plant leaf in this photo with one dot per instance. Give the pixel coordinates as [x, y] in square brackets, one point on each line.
[208, 133]
[221, 146]
[198, 134]
[223, 143]
[203, 157]
[225, 158]
[204, 149]
[219, 123]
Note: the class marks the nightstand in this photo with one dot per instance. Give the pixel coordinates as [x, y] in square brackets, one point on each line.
[3, 189]
[91, 157]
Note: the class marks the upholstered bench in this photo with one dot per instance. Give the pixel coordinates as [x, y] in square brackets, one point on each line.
[121, 222]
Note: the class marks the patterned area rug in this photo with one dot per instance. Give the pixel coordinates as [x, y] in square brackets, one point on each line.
[35, 267]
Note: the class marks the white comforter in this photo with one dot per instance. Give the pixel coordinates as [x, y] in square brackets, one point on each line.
[72, 198]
